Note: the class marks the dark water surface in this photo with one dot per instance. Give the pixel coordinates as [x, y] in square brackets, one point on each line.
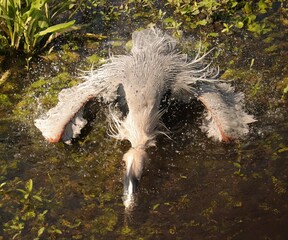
[193, 188]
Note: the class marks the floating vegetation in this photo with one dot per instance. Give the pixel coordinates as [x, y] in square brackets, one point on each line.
[22, 209]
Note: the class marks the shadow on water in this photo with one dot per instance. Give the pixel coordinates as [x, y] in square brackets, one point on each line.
[192, 188]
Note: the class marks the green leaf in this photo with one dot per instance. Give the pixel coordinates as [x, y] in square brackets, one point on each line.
[262, 6]
[213, 34]
[255, 28]
[40, 231]
[43, 24]
[247, 8]
[237, 165]
[169, 20]
[58, 231]
[284, 148]
[234, 4]
[21, 190]
[156, 206]
[285, 89]
[196, 12]
[202, 22]
[29, 215]
[38, 3]
[41, 216]
[56, 28]
[239, 24]
[37, 198]
[29, 185]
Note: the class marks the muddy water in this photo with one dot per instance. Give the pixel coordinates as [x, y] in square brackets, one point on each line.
[193, 188]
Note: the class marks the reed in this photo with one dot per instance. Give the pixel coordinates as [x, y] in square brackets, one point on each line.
[24, 24]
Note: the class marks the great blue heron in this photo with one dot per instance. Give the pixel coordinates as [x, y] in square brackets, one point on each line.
[139, 80]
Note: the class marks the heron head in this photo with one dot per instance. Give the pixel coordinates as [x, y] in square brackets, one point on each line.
[134, 160]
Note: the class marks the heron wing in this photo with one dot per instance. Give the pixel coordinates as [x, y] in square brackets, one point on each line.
[65, 120]
[225, 117]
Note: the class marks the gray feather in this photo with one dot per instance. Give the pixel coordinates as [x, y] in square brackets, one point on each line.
[225, 117]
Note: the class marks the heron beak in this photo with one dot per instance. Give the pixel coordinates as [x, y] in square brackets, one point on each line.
[134, 160]
[130, 186]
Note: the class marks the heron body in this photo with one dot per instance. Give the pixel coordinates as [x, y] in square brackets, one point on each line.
[139, 81]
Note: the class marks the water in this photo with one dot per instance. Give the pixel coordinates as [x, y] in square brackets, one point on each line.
[192, 188]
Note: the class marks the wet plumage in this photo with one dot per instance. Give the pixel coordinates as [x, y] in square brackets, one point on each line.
[139, 81]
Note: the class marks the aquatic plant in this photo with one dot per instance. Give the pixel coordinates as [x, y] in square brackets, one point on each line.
[23, 208]
[23, 25]
[179, 15]
[231, 14]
